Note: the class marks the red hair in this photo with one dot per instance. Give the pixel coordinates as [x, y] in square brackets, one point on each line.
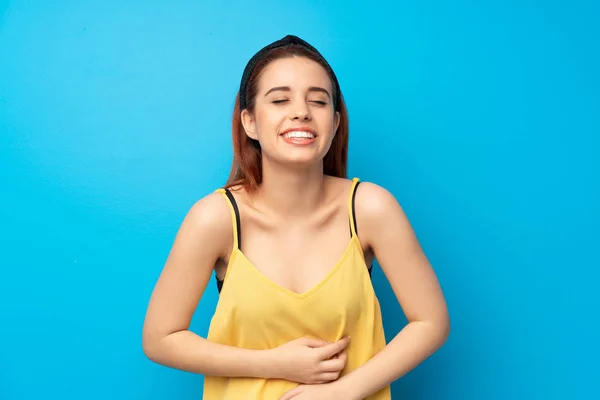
[247, 156]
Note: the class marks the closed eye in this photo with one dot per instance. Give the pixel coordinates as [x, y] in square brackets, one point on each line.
[319, 102]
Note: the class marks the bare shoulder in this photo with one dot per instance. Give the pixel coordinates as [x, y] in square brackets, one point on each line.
[377, 212]
[369, 196]
[209, 221]
[209, 210]
[375, 202]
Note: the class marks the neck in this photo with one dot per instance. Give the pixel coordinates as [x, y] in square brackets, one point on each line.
[291, 192]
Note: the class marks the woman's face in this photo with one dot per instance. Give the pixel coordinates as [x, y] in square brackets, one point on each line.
[293, 120]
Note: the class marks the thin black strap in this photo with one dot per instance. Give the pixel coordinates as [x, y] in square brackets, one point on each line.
[237, 217]
[369, 267]
[354, 208]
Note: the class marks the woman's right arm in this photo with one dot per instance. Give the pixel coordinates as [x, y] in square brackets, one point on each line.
[204, 237]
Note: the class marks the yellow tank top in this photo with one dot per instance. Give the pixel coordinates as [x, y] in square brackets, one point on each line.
[254, 312]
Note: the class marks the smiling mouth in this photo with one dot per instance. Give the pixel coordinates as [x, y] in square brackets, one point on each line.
[299, 135]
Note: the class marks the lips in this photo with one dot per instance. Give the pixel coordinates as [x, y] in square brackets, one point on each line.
[299, 133]
[299, 136]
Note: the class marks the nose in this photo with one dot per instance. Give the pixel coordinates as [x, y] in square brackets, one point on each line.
[300, 111]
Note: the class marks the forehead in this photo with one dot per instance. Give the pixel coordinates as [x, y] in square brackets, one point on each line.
[295, 72]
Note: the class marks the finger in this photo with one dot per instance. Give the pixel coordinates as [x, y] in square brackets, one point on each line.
[332, 365]
[329, 376]
[339, 354]
[342, 353]
[334, 348]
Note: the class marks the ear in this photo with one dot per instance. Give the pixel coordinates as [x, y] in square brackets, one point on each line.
[336, 122]
[249, 124]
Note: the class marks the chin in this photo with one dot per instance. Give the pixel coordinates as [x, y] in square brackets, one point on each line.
[301, 161]
[299, 157]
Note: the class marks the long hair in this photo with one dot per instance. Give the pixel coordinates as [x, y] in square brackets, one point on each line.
[246, 169]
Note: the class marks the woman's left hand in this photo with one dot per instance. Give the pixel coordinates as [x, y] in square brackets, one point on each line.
[324, 391]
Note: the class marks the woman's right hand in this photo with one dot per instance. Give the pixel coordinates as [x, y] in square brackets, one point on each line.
[310, 361]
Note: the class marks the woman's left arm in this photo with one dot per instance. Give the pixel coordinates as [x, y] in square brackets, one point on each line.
[384, 227]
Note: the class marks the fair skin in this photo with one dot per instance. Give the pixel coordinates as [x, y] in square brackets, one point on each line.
[294, 203]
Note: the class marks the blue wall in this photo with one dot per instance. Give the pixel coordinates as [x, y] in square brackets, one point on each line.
[482, 120]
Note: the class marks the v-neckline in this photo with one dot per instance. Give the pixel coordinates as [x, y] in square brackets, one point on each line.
[316, 287]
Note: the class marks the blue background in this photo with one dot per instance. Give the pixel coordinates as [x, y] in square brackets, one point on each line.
[483, 120]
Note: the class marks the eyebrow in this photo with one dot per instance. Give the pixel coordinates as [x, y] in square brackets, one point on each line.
[287, 89]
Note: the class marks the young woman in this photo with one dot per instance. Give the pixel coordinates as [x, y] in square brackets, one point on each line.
[291, 242]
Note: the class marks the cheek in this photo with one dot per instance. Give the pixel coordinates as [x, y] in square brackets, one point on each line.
[267, 123]
[327, 125]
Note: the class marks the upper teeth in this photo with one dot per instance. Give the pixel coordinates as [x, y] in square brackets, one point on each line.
[299, 134]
